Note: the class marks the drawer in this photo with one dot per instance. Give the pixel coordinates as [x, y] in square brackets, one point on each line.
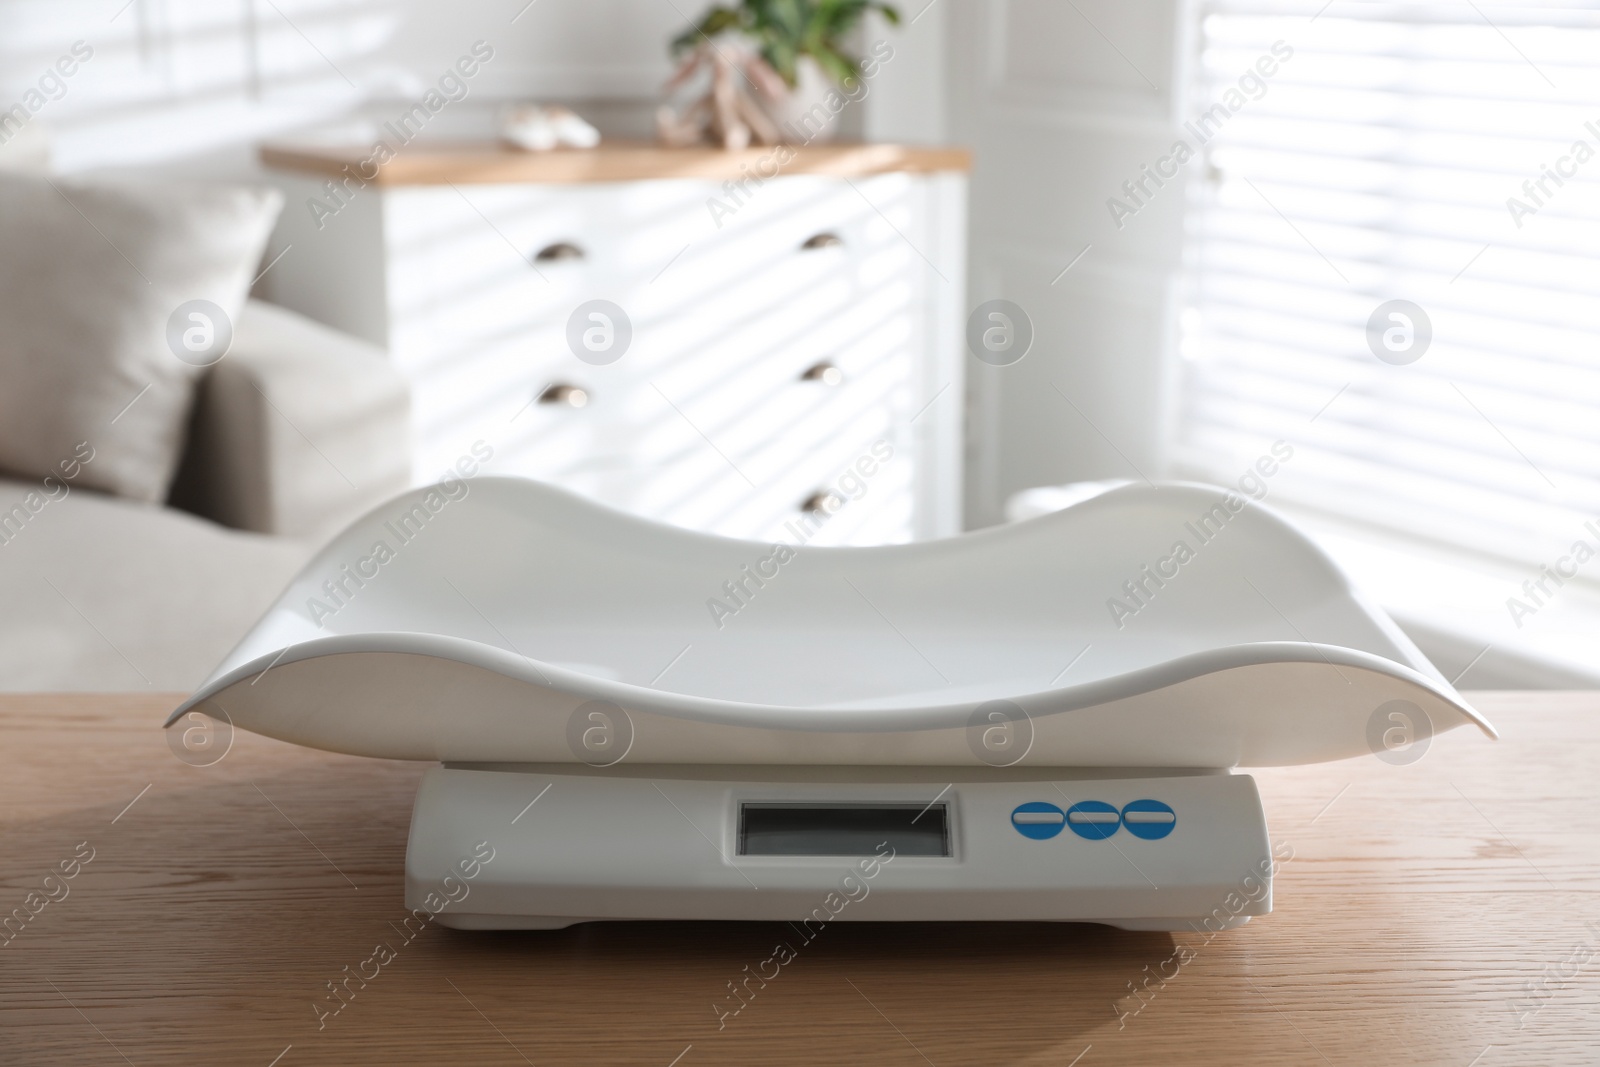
[753, 493]
[461, 268]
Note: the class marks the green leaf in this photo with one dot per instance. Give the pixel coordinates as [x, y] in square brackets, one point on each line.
[836, 65]
[783, 55]
[718, 20]
[787, 18]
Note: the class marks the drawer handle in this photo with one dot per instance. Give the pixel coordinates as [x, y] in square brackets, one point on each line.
[824, 372]
[822, 240]
[818, 501]
[561, 250]
[572, 396]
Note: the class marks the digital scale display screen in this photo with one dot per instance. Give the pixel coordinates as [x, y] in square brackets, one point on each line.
[771, 829]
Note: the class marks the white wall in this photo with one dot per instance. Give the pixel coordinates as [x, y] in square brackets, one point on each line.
[192, 85]
[909, 100]
[187, 83]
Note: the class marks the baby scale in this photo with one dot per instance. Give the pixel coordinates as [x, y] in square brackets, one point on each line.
[1041, 721]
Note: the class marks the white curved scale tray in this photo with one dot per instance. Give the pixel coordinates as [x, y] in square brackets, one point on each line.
[483, 623]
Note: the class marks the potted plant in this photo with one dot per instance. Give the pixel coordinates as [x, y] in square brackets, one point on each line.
[789, 52]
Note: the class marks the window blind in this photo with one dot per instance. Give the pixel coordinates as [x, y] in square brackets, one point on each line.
[1387, 160]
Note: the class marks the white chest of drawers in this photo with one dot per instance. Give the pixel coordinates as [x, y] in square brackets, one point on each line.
[788, 348]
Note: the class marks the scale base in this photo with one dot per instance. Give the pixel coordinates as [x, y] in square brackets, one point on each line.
[541, 848]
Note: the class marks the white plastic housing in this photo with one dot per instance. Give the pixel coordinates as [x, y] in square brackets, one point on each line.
[474, 623]
[652, 843]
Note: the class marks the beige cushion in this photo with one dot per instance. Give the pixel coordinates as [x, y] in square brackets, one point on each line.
[91, 276]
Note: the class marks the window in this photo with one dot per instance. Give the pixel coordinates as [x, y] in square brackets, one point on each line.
[1445, 154]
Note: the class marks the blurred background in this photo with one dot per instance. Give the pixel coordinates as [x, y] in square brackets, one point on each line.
[1338, 255]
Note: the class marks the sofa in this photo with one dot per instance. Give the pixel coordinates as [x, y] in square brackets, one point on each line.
[298, 429]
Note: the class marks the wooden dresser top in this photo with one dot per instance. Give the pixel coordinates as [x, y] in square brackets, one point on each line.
[614, 161]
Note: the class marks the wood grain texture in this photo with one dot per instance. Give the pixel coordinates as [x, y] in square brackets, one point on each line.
[1419, 904]
[612, 162]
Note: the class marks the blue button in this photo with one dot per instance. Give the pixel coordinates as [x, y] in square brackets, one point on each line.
[1038, 820]
[1094, 819]
[1149, 819]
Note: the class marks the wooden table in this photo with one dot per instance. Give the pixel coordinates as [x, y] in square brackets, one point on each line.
[1422, 904]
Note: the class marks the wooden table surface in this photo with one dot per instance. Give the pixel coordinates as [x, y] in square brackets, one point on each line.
[1444, 912]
